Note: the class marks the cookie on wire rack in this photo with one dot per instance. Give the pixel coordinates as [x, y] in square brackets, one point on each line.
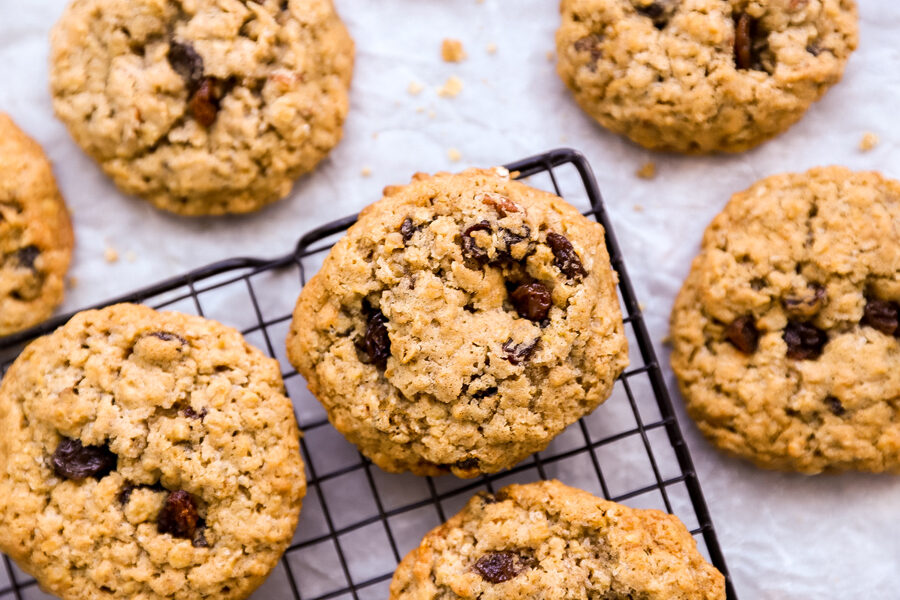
[549, 540]
[203, 107]
[785, 335]
[463, 322]
[702, 76]
[147, 455]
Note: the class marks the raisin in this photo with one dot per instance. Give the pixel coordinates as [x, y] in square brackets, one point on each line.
[835, 406]
[519, 353]
[807, 304]
[186, 62]
[27, 255]
[743, 41]
[497, 567]
[204, 103]
[590, 43]
[198, 540]
[472, 251]
[407, 229]
[125, 492]
[804, 342]
[377, 341]
[532, 301]
[72, 460]
[743, 335]
[881, 315]
[190, 413]
[467, 464]
[659, 11]
[566, 259]
[178, 516]
[167, 336]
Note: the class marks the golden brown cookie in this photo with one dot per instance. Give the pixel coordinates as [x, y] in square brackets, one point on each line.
[35, 233]
[548, 540]
[146, 455]
[785, 334]
[461, 324]
[699, 76]
[203, 107]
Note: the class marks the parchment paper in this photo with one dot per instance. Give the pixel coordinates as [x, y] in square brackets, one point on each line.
[783, 535]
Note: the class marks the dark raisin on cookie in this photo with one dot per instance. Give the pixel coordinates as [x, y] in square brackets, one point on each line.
[835, 406]
[750, 43]
[590, 43]
[565, 257]
[467, 464]
[179, 516]
[125, 492]
[532, 301]
[804, 342]
[500, 566]
[198, 540]
[185, 61]
[72, 460]
[519, 353]
[658, 11]
[472, 251]
[407, 229]
[204, 103]
[190, 413]
[805, 304]
[377, 342]
[743, 334]
[27, 255]
[881, 315]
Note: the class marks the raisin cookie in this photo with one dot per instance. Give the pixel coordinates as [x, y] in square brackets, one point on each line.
[785, 334]
[35, 233]
[146, 455]
[700, 76]
[206, 106]
[548, 540]
[461, 324]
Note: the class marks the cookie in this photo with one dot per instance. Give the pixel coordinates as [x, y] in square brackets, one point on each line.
[462, 322]
[785, 335]
[146, 455]
[549, 540]
[203, 107]
[35, 233]
[702, 76]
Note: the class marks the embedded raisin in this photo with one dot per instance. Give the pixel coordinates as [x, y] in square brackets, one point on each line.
[186, 62]
[519, 353]
[532, 301]
[190, 413]
[881, 315]
[497, 567]
[471, 250]
[407, 229]
[566, 259]
[743, 41]
[467, 464]
[198, 540]
[204, 103]
[806, 304]
[659, 11]
[835, 406]
[72, 460]
[125, 492]
[27, 255]
[377, 341]
[167, 336]
[590, 43]
[804, 342]
[743, 335]
[178, 516]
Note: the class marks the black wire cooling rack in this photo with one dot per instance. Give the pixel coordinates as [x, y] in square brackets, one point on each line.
[357, 521]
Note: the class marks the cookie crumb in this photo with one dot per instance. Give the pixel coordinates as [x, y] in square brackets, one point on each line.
[431, 114]
[73, 282]
[451, 88]
[420, 110]
[491, 48]
[869, 141]
[551, 55]
[110, 254]
[647, 171]
[454, 154]
[130, 256]
[365, 171]
[639, 208]
[415, 88]
[452, 51]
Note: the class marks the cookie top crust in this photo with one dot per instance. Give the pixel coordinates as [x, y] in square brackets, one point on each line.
[146, 454]
[702, 76]
[462, 322]
[203, 107]
[785, 334]
[549, 540]
[36, 236]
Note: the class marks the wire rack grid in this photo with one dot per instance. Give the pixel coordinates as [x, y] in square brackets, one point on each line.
[357, 521]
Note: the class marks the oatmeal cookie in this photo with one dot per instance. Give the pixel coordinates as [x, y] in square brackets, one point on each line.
[146, 455]
[786, 338]
[461, 324]
[548, 540]
[203, 107]
[700, 76]
[35, 233]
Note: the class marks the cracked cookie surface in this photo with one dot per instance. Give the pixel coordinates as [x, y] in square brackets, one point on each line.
[463, 322]
[146, 455]
[785, 334]
[700, 76]
[36, 237]
[550, 541]
[206, 106]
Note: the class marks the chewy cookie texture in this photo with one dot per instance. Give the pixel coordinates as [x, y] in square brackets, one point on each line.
[36, 237]
[786, 337]
[203, 107]
[146, 455]
[702, 76]
[548, 540]
[462, 323]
